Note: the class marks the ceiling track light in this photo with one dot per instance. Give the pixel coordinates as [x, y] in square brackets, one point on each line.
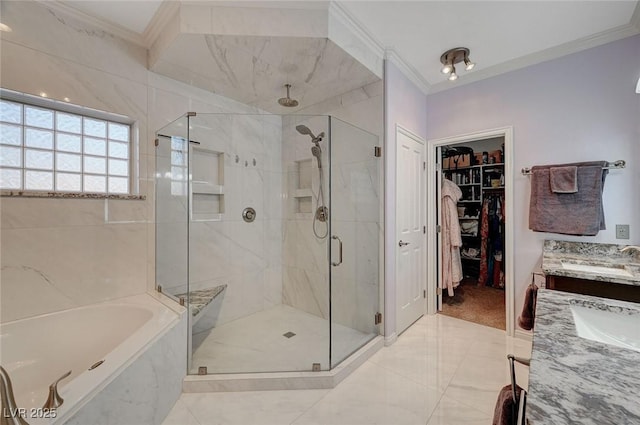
[453, 56]
[453, 76]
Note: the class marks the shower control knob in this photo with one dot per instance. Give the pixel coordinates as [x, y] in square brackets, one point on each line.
[249, 214]
[401, 244]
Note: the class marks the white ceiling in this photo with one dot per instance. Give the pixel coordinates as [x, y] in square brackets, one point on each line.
[500, 34]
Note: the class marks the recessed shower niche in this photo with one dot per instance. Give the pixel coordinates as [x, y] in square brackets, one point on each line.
[286, 271]
[303, 194]
[207, 184]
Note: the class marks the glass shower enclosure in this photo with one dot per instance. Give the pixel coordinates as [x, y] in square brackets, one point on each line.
[268, 229]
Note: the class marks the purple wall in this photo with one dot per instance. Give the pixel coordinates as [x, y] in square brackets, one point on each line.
[405, 105]
[576, 108]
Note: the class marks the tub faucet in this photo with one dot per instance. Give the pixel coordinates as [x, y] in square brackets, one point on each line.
[10, 414]
[54, 400]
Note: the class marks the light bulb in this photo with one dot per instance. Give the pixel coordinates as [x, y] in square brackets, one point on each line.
[446, 69]
[469, 65]
[453, 76]
[5, 27]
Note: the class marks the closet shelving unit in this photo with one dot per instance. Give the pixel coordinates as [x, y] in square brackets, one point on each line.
[474, 181]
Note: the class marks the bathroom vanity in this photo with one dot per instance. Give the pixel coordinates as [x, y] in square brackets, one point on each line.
[584, 362]
[601, 270]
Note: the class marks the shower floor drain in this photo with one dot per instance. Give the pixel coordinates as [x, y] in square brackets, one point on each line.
[288, 334]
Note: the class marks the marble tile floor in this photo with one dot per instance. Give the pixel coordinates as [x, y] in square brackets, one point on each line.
[256, 343]
[441, 371]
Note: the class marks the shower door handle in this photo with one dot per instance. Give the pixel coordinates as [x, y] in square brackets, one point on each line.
[401, 244]
[334, 264]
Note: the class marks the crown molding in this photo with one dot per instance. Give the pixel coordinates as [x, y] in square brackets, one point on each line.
[339, 12]
[409, 71]
[111, 28]
[555, 52]
[635, 18]
[158, 23]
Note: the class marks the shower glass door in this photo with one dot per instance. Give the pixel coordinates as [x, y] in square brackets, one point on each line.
[258, 281]
[356, 201]
[171, 209]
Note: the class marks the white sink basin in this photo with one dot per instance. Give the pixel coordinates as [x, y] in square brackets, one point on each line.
[614, 325]
[602, 270]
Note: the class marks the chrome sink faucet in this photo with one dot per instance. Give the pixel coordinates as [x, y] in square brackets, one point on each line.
[630, 248]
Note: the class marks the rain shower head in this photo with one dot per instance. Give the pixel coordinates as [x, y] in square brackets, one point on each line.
[287, 101]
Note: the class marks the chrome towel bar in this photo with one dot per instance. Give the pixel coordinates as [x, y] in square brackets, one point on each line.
[621, 163]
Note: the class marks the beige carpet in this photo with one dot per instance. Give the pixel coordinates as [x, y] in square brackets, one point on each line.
[478, 304]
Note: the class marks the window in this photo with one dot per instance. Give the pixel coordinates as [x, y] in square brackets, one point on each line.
[179, 170]
[50, 149]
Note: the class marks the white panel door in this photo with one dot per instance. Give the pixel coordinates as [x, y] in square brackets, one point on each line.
[410, 221]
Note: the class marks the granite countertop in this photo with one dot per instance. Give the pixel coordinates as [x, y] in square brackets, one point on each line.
[591, 254]
[573, 380]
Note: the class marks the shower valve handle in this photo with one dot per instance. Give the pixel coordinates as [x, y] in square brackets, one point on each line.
[334, 264]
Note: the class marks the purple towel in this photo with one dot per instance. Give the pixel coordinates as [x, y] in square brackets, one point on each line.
[528, 315]
[580, 213]
[564, 179]
[504, 412]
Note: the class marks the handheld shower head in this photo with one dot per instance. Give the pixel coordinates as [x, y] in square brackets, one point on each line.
[303, 129]
[317, 152]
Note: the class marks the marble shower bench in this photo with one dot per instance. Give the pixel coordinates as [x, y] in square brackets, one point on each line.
[204, 311]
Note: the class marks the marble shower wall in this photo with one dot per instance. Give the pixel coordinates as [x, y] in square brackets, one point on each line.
[305, 256]
[73, 252]
[356, 210]
[247, 257]
[61, 253]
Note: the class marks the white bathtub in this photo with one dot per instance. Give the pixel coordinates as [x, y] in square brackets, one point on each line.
[36, 351]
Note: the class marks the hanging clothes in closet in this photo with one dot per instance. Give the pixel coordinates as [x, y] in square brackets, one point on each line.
[451, 237]
[492, 244]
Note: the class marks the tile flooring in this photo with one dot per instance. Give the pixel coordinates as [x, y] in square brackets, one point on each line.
[441, 371]
[256, 343]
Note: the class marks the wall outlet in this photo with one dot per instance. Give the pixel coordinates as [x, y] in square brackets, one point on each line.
[622, 231]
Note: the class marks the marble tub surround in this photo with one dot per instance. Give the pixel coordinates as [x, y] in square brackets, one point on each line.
[555, 253]
[575, 380]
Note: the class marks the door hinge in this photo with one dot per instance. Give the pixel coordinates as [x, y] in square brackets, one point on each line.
[377, 151]
[438, 167]
[424, 293]
[438, 228]
[424, 165]
[157, 142]
[439, 291]
[377, 319]
[424, 229]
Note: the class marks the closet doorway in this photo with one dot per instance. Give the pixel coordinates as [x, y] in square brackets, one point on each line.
[469, 208]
